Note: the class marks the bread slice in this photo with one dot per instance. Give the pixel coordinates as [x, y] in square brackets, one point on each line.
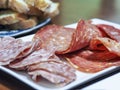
[30, 2]
[49, 7]
[35, 7]
[52, 10]
[9, 17]
[40, 4]
[3, 3]
[25, 24]
[18, 5]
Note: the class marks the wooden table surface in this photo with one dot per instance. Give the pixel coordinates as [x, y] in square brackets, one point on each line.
[70, 12]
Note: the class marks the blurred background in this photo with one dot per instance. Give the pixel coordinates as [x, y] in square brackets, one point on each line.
[72, 10]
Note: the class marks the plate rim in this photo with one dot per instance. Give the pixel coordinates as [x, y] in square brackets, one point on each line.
[15, 33]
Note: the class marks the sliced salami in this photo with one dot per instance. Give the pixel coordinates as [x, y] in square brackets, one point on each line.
[95, 55]
[59, 36]
[67, 39]
[111, 45]
[111, 31]
[91, 66]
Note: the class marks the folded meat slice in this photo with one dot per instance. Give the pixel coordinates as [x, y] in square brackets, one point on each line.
[111, 31]
[86, 32]
[45, 63]
[12, 49]
[96, 45]
[40, 55]
[111, 45]
[56, 72]
[67, 39]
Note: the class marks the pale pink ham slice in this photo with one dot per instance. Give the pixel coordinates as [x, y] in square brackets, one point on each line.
[12, 49]
[37, 56]
[56, 72]
[45, 63]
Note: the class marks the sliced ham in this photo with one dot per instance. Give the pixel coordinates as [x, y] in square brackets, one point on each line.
[45, 63]
[56, 72]
[12, 49]
[37, 56]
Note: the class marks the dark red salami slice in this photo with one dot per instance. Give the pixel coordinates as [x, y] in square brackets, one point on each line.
[111, 31]
[91, 66]
[95, 44]
[95, 55]
[82, 35]
[111, 45]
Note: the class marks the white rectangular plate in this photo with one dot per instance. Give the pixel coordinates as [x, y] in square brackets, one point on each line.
[45, 85]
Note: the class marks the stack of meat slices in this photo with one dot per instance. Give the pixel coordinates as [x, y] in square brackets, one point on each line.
[88, 47]
[37, 61]
[12, 49]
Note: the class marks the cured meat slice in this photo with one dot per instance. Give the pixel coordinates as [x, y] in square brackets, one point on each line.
[45, 63]
[82, 35]
[59, 36]
[11, 49]
[87, 31]
[67, 39]
[37, 56]
[55, 71]
[96, 45]
[91, 66]
[111, 31]
[95, 55]
[111, 45]
[57, 79]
